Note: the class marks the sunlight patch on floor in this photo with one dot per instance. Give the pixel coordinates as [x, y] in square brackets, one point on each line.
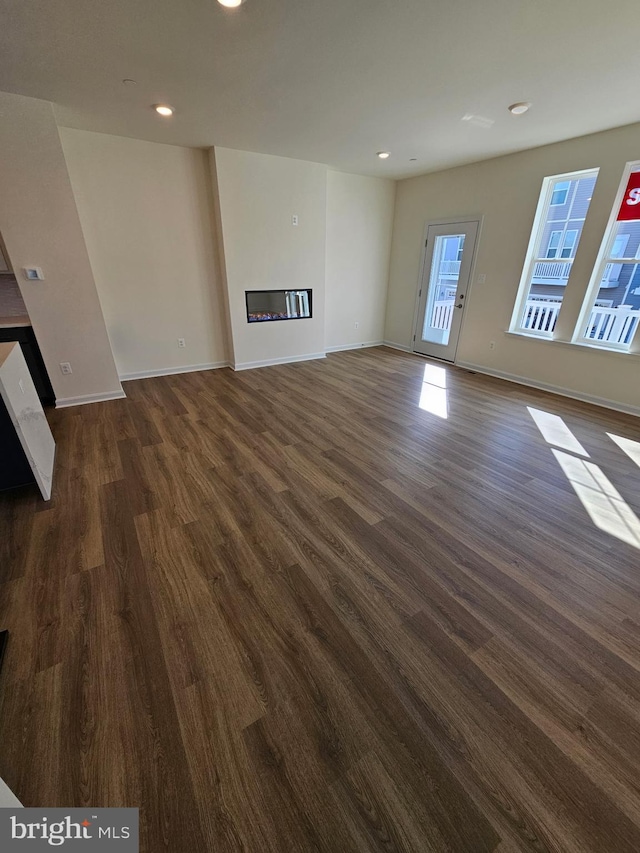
[630, 447]
[605, 505]
[433, 396]
[555, 431]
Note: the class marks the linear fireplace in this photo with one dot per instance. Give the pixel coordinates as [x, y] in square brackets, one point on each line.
[266, 305]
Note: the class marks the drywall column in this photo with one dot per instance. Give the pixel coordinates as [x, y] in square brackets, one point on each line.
[258, 196]
[147, 217]
[221, 263]
[40, 226]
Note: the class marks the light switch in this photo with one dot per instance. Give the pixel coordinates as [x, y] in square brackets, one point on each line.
[34, 273]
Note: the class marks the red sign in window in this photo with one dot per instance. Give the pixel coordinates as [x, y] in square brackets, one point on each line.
[630, 207]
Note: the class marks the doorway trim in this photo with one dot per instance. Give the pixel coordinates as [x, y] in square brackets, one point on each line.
[444, 220]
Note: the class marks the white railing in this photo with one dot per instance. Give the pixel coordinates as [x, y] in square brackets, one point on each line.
[552, 270]
[442, 315]
[606, 324]
[612, 325]
[540, 315]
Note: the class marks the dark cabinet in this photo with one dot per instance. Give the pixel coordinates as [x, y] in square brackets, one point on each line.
[14, 465]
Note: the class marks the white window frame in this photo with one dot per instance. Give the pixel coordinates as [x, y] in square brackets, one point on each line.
[535, 246]
[604, 257]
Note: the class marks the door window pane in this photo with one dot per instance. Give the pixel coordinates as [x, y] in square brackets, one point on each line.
[443, 284]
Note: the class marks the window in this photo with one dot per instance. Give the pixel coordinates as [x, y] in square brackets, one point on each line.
[569, 244]
[610, 313]
[620, 246]
[560, 193]
[612, 271]
[554, 242]
[568, 241]
[552, 249]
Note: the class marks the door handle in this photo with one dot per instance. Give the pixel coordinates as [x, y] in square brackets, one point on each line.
[459, 305]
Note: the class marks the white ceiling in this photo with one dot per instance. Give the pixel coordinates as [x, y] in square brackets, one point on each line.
[331, 81]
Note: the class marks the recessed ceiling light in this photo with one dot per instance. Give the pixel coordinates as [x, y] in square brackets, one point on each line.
[384, 155]
[230, 4]
[163, 109]
[520, 108]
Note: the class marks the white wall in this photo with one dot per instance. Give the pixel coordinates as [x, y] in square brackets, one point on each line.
[146, 211]
[258, 194]
[40, 226]
[359, 226]
[506, 190]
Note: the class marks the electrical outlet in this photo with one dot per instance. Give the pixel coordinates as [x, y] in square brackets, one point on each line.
[65, 367]
[294, 219]
[356, 325]
[482, 278]
[182, 343]
[492, 344]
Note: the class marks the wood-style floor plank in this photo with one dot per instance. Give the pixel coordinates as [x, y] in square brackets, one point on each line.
[289, 610]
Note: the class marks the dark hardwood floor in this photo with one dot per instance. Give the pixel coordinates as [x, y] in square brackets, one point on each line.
[289, 610]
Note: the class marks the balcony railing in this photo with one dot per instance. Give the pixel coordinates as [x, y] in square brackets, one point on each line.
[449, 270]
[606, 324]
[555, 272]
[442, 314]
[540, 315]
[551, 272]
[613, 325]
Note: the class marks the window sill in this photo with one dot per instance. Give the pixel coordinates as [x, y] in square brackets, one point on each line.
[579, 344]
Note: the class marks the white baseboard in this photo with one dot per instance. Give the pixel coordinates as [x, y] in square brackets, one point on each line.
[289, 359]
[554, 389]
[65, 402]
[170, 371]
[394, 345]
[345, 347]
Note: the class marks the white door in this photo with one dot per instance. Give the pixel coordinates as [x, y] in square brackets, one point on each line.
[448, 256]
